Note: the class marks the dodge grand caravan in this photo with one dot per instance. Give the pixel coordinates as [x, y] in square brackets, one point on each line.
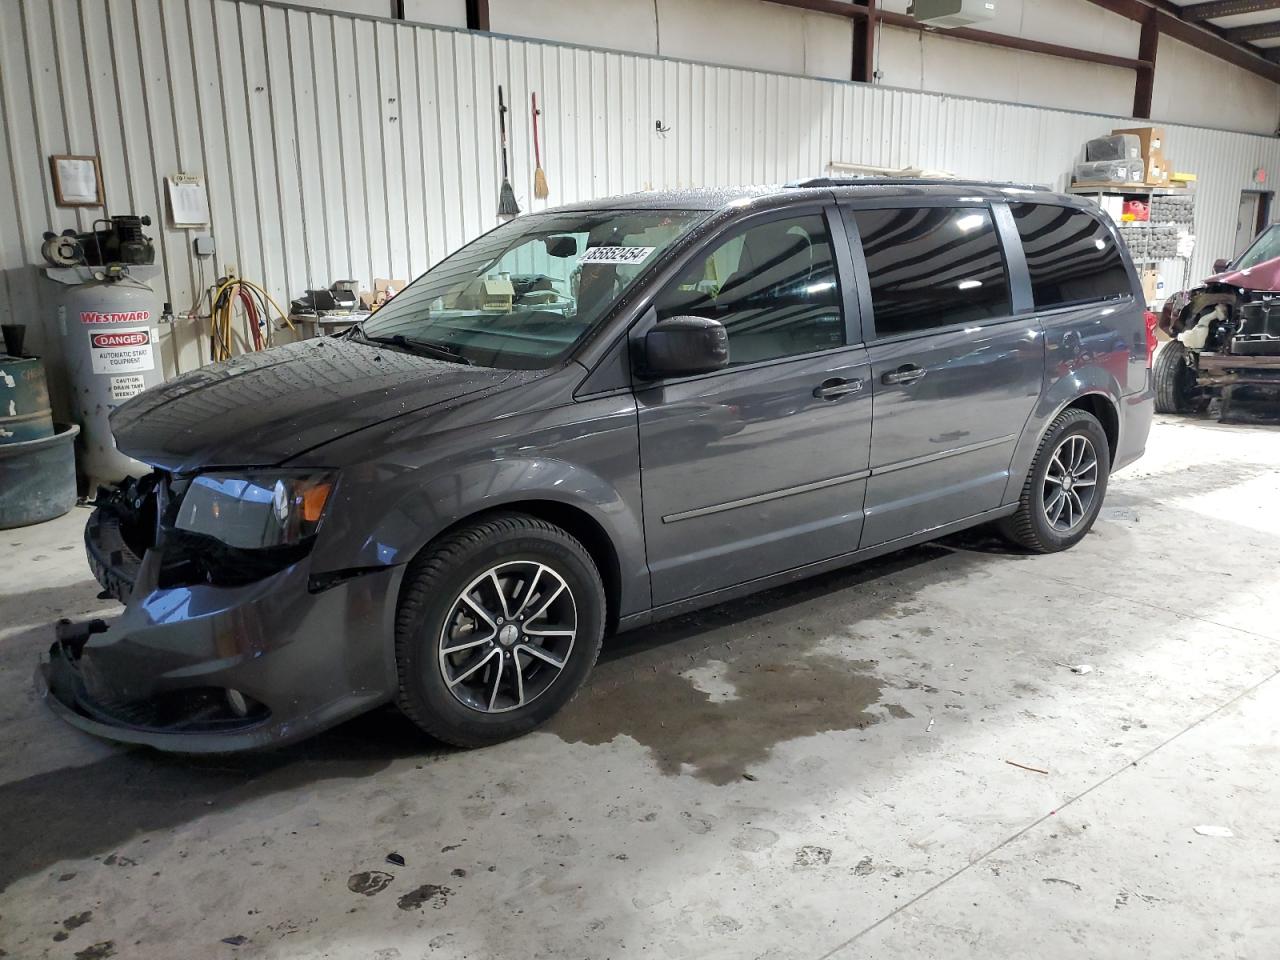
[588, 419]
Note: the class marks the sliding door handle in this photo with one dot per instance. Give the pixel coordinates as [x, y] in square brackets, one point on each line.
[836, 387]
[907, 373]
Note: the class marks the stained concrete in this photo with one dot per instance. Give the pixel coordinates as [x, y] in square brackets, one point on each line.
[847, 767]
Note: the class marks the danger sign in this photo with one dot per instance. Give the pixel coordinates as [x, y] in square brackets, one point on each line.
[122, 351]
[122, 338]
[128, 316]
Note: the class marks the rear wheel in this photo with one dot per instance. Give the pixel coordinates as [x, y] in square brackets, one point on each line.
[1173, 379]
[499, 624]
[1064, 487]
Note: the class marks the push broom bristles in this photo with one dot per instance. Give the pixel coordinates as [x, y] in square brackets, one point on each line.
[507, 206]
[540, 188]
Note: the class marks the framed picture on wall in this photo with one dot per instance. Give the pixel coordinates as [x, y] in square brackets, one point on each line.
[77, 181]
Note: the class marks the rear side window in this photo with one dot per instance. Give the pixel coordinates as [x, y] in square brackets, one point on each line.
[932, 266]
[1071, 257]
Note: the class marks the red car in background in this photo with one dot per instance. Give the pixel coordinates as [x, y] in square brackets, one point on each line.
[1224, 333]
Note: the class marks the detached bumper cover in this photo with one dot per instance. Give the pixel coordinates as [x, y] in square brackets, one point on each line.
[160, 672]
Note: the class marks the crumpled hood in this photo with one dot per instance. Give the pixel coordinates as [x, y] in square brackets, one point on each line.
[1261, 276]
[264, 408]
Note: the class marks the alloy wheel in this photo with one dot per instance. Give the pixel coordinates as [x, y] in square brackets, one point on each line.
[1070, 483]
[508, 636]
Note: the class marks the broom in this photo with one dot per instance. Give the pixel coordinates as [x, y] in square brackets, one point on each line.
[507, 206]
[540, 189]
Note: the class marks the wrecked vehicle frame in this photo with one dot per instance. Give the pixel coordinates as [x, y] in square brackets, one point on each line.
[1223, 334]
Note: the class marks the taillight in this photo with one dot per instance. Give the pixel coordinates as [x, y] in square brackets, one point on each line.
[1151, 319]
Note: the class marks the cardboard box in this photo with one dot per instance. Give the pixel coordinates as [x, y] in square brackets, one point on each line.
[1152, 287]
[1152, 142]
[1157, 172]
[1150, 138]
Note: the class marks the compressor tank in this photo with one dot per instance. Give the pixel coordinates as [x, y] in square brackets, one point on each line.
[105, 323]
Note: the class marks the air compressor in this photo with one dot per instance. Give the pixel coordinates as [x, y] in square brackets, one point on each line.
[104, 319]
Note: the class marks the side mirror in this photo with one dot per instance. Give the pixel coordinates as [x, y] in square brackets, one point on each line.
[684, 347]
[1220, 266]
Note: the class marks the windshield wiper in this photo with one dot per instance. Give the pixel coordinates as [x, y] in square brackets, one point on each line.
[431, 348]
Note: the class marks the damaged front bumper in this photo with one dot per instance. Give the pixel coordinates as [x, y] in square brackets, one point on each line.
[202, 668]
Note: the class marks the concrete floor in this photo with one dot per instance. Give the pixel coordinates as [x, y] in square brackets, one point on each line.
[821, 771]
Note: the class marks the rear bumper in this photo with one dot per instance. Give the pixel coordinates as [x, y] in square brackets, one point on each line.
[159, 673]
[1136, 413]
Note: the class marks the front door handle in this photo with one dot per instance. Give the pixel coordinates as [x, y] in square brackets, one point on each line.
[836, 387]
[907, 373]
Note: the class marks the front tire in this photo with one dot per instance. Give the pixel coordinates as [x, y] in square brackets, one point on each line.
[499, 624]
[1173, 379]
[1065, 485]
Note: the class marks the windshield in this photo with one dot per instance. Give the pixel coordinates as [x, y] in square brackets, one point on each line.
[524, 294]
[1266, 247]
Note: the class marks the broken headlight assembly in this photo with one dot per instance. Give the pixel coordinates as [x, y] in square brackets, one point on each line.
[237, 528]
[255, 511]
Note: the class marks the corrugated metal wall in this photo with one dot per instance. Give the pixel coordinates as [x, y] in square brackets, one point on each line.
[338, 147]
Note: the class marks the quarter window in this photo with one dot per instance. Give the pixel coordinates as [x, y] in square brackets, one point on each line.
[1071, 257]
[932, 266]
[773, 286]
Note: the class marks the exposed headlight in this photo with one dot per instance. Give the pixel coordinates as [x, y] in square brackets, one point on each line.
[256, 510]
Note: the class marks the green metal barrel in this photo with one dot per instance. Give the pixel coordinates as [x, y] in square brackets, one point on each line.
[24, 400]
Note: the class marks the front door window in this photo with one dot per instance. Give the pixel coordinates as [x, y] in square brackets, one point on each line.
[773, 286]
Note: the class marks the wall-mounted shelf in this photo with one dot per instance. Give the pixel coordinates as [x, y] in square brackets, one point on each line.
[1128, 189]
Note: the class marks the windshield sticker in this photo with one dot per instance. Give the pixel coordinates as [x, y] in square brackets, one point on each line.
[631, 255]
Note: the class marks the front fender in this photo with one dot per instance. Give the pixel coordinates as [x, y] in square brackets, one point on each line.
[1182, 309]
[583, 455]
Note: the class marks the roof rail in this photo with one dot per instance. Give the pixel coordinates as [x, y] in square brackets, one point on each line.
[908, 182]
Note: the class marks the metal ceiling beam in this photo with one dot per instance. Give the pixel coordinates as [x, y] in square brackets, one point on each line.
[477, 15]
[864, 44]
[1255, 31]
[834, 7]
[1226, 8]
[1213, 44]
[1145, 82]
[1015, 43]
[1204, 37]
[858, 11]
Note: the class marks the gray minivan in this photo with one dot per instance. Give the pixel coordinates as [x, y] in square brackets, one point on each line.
[591, 418]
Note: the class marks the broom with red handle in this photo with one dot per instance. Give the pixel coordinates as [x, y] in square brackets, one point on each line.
[540, 189]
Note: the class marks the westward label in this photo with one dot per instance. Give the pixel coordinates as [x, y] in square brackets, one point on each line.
[129, 316]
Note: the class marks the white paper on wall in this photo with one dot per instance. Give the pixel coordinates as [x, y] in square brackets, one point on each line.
[188, 202]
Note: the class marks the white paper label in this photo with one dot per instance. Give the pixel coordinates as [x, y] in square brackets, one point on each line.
[122, 351]
[629, 255]
[130, 385]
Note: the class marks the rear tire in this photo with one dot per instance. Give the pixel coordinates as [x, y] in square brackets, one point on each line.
[499, 624]
[1065, 485]
[1173, 380]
